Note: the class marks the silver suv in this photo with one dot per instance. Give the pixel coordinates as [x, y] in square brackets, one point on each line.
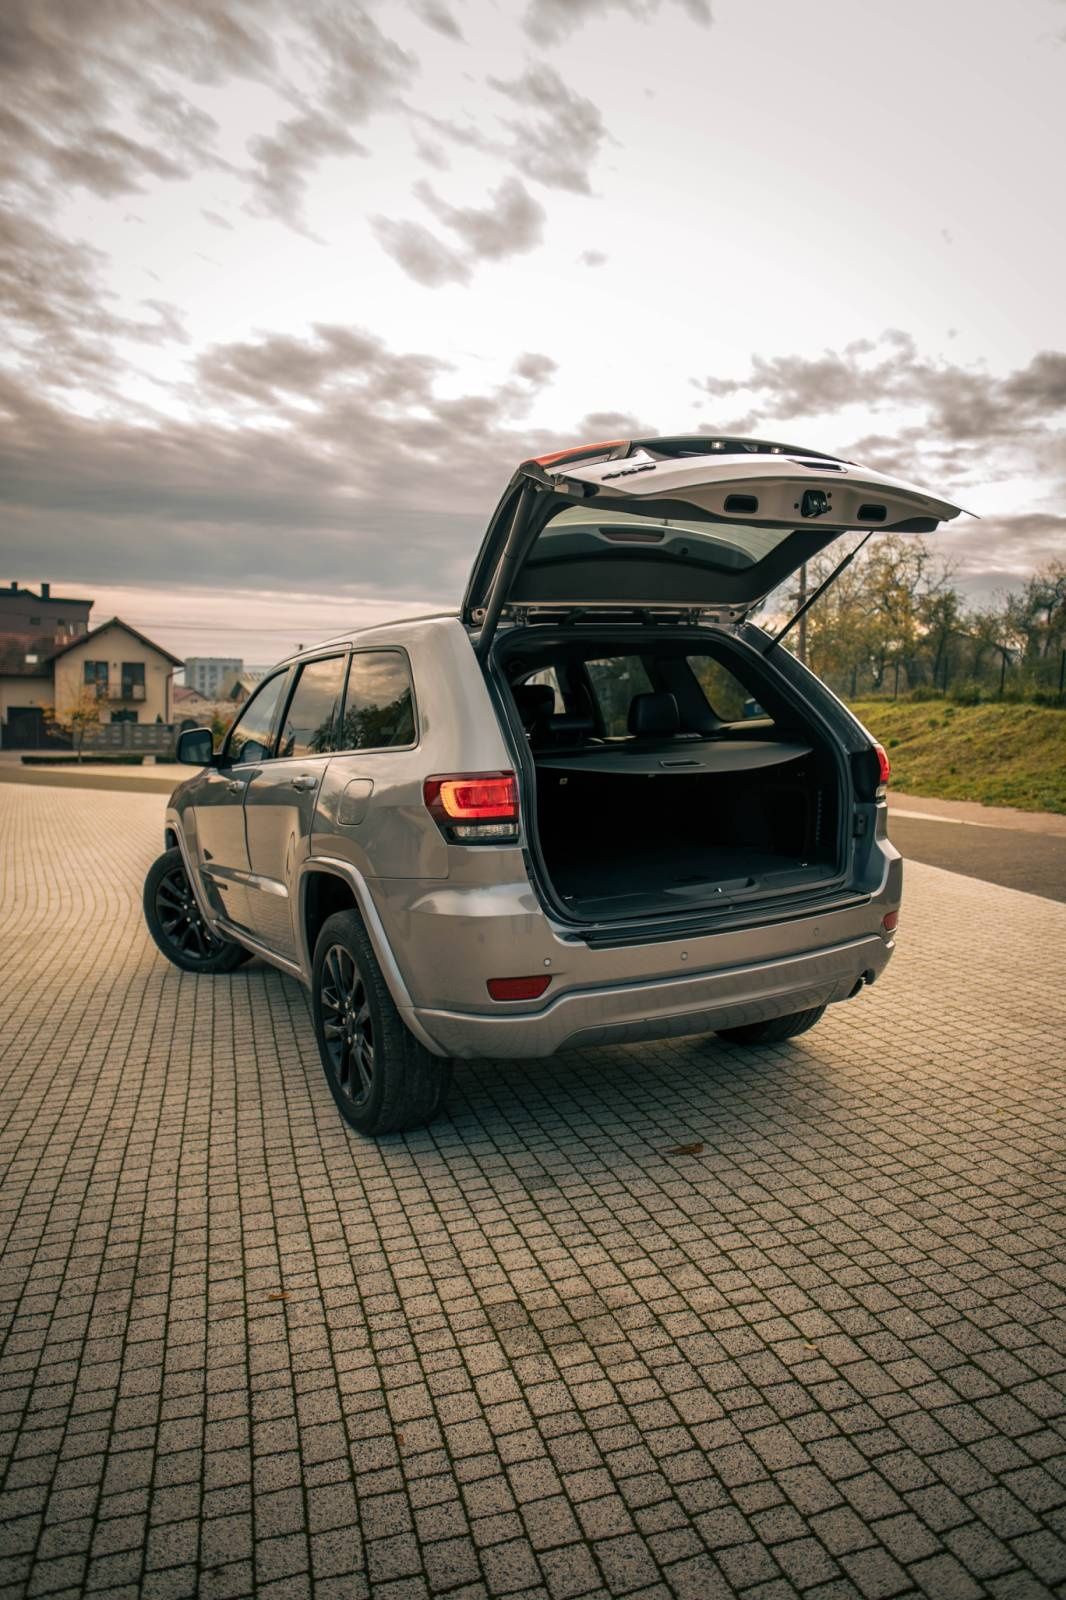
[598, 805]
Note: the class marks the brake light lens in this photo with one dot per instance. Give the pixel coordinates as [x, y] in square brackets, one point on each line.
[474, 807]
[518, 988]
[576, 451]
[884, 766]
[890, 921]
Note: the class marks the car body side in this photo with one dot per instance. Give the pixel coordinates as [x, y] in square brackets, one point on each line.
[444, 918]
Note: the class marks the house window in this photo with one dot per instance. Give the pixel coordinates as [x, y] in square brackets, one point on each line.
[133, 680]
[125, 716]
[96, 677]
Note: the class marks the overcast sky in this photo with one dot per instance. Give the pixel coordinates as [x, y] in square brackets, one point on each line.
[294, 287]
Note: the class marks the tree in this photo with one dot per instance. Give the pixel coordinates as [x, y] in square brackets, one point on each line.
[79, 716]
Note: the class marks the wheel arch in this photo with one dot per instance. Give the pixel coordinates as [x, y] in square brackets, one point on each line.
[319, 898]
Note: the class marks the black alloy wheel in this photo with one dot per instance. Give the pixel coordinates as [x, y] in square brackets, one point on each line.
[347, 1026]
[381, 1077]
[176, 923]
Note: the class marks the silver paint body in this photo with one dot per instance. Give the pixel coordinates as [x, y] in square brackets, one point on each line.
[445, 918]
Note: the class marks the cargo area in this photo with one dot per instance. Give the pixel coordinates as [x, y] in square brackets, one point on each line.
[663, 785]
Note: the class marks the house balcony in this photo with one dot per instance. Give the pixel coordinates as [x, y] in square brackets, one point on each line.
[126, 691]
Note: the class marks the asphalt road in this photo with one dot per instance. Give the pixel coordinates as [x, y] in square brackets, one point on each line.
[1034, 862]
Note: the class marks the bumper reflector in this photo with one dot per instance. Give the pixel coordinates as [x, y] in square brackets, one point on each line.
[518, 988]
[889, 921]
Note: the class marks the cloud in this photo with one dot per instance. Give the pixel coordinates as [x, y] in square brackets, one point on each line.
[550, 133]
[437, 17]
[59, 320]
[963, 403]
[68, 73]
[959, 424]
[534, 368]
[562, 139]
[341, 462]
[547, 21]
[592, 258]
[511, 224]
[284, 159]
[90, 100]
[424, 257]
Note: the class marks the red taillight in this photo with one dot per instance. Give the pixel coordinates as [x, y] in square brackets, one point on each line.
[884, 766]
[518, 988]
[577, 450]
[890, 921]
[474, 806]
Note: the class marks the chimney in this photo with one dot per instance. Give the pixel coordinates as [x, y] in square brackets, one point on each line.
[46, 591]
[14, 586]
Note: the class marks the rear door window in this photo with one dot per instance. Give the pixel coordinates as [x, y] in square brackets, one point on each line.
[309, 727]
[726, 695]
[379, 710]
[615, 681]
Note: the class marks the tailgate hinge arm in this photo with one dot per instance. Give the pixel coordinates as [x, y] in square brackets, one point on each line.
[818, 593]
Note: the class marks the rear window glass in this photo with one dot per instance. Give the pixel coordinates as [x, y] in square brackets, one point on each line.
[379, 705]
[726, 695]
[615, 681]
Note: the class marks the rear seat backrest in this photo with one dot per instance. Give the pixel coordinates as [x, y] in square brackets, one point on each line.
[654, 716]
[535, 702]
[562, 730]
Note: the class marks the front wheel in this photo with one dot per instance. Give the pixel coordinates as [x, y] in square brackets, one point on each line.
[175, 923]
[382, 1079]
[775, 1030]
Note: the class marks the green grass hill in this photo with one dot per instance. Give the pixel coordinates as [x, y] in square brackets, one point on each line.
[1001, 755]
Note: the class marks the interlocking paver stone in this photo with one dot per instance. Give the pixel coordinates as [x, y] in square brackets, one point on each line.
[525, 1351]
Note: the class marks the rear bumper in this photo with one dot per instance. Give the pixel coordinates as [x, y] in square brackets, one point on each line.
[699, 1002]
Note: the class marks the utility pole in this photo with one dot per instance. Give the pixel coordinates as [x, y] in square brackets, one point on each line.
[801, 644]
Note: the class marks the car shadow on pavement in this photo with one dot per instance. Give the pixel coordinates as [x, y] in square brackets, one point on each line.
[605, 1112]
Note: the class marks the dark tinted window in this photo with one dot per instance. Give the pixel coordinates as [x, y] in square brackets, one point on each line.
[310, 723]
[726, 695]
[379, 707]
[251, 735]
[615, 682]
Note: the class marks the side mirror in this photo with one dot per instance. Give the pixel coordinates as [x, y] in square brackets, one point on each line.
[196, 747]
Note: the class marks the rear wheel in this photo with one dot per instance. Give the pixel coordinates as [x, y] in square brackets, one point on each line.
[175, 923]
[382, 1079]
[775, 1030]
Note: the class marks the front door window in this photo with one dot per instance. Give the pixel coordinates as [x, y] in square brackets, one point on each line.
[251, 739]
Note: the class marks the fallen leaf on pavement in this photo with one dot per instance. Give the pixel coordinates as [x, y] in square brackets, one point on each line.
[694, 1149]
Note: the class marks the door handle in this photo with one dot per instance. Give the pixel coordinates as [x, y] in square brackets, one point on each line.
[235, 786]
[307, 781]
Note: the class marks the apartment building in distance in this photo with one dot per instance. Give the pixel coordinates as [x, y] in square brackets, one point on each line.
[212, 676]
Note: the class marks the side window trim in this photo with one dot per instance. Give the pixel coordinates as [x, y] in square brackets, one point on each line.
[297, 671]
[379, 749]
[275, 726]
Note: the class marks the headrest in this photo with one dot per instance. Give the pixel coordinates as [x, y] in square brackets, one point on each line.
[565, 729]
[534, 701]
[653, 716]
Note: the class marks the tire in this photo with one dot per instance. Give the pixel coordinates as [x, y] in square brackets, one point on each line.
[382, 1078]
[175, 924]
[775, 1030]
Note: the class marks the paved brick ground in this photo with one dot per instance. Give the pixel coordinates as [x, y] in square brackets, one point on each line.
[665, 1320]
